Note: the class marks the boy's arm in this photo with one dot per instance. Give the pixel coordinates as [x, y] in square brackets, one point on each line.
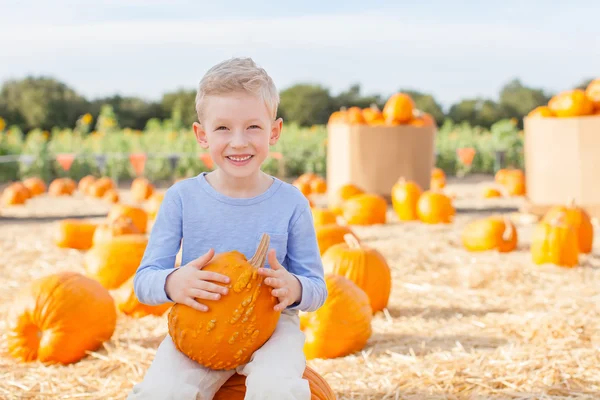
[160, 254]
[304, 262]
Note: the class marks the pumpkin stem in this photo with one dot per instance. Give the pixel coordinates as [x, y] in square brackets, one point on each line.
[351, 241]
[374, 107]
[508, 229]
[402, 180]
[259, 258]
[571, 202]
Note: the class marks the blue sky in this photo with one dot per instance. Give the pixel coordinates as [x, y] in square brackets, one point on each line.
[452, 49]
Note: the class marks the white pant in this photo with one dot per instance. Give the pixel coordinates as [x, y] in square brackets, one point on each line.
[273, 372]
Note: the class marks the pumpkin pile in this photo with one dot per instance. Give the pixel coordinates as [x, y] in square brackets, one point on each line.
[571, 103]
[399, 109]
[411, 203]
[512, 181]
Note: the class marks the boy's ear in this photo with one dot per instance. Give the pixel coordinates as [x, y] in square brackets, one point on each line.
[276, 128]
[200, 135]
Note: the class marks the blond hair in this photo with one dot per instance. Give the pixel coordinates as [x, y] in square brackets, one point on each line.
[236, 75]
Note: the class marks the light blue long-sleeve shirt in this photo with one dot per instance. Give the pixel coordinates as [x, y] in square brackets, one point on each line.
[196, 215]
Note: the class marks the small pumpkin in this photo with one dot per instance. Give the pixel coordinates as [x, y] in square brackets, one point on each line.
[514, 182]
[14, 195]
[492, 233]
[365, 209]
[541, 112]
[237, 324]
[111, 196]
[434, 207]
[330, 234]
[337, 117]
[342, 325]
[75, 233]
[592, 92]
[571, 103]
[85, 182]
[363, 265]
[555, 242]
[323, 216]
[438, 179]
[99, 187]
[303, 187]
[128, 303]
[235, 387]
[112, 262]
[344, 192]
[141, 189]
[59, 318]
[489, 192]
[579, 219]
[122, 225]
[354, 116]
[405, 195]
[373, 115]
[398, 109]
[137, 214]
[61, 187]
[35, 185]
[154, 204]
[306, 177]
[318, 185]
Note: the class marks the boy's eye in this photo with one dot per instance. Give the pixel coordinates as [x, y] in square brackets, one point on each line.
[221, 127]
[254, 127]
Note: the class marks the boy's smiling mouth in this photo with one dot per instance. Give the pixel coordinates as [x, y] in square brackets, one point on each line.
[240, 158]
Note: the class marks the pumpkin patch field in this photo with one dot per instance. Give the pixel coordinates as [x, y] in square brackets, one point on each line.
[450, 293]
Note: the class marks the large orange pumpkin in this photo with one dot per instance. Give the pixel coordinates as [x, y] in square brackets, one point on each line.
[398, 109]
[61, 187]
[128, 303]
[85, 182]
[60, 317]
[138, 215]
[593, 93]
[364, 266]
[75, 233]
[579, 219]
[434, 207]
[237, 324]
[571, 103]
[122, 225]
[342, 325]
[323, 216]
[492, 233]
[555, 242]
[344, 192]
[113, 261]
[235, 387]
[15, 195]
[365, 209]
[330, 234]
[405, 195]
[541, 111]
[35, 185]
[318, 185]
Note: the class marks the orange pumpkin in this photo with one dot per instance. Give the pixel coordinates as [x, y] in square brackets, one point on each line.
[365, 209]
[593, 93]
[344, 192]
[318, 185]
[111, 196]
[341, 326]
[35, 185]
[398, 109]
[579, 219]
[330, 234]
[237, 324]
[438, 179]
[492, 233]
[514, 182]
[571, 103]
[323, 216]
[434, 207]
[373, 116]
[337, 117]
[112, 262]
[75, 234]
[364, 266]
[138, 215]
[59, 318]
[141, 189]
[555, 242]
[14, 195]
[303, 187]
[541, 111]
[405, 195]
[122, 225]
[154, 204]
[85, 182]
[61, 187]
[235, 387]
[99, 187]
[306, 177]
[490, 192]
[354, 116]
[128, 303]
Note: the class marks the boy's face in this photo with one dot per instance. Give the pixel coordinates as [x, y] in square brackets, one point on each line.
[238, 130]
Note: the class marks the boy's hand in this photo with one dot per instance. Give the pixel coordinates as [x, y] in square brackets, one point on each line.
[286, 286]
[189, 283]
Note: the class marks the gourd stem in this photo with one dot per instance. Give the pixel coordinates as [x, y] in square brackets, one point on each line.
[259, 258]
[351, 241]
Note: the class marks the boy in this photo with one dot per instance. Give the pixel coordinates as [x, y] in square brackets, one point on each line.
[229, 209]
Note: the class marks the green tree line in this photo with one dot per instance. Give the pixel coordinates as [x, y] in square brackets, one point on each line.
[45, 103]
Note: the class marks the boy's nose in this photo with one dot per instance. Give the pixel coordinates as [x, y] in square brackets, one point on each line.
[238, 140]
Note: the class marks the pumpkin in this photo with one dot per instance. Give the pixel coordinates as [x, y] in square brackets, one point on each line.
[138, 215]
[365, 209]
[303, 187]
[354, 116]
[154, 204]
[500, 176]
[514, 182]
[85, 182]
[571, 103]
[337, 117]
[364, 266]
[58, 318]
[318, 185]
[112, 262]
[344, 192]
[342, 325]
[398, 109]
[555, 242]
[35, 185]
[373, 115]
[128, 303]
[438, 179]
[579, 219]
[593, 93]
[75, 233]
[306, 177]
[61, 187]
[323, 216]
[111, 196]
[99, 187]
[237, 324]
[141, 189]
[235, 387]
[541, 111]
[492, 233]
[330, 234]
[122, 225]
[434, 207]
[14, 195]
[490, 192]
[405, 195]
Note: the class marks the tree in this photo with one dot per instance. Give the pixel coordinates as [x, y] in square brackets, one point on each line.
[182, 104]
[353, 98]
[516, 100]
[482, 112]
[584, 84]
[306, 104]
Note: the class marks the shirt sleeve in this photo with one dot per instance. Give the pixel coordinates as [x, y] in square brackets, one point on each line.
[304, 262]
[160, 254]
